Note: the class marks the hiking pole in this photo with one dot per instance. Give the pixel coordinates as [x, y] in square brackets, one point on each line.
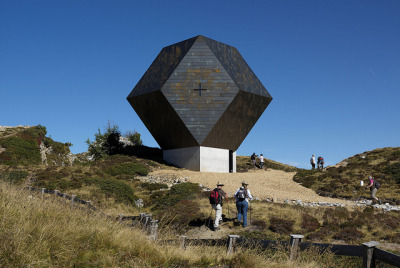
[250, 210]
[229, 214]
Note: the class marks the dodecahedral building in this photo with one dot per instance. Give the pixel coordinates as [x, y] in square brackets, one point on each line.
[199, 99]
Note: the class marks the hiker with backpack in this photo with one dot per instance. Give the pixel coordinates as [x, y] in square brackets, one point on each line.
[216, 200]
[373, 185]
[320, 162]
[243, 196]
[253, 160]
[261, 161]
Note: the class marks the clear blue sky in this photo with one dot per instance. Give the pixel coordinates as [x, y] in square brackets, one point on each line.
[332, 67]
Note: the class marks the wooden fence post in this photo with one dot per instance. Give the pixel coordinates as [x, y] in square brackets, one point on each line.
[88, 204]
[43, 192]
[72, 200]
[295, 240]
[369, 260]
[30, 188]
[230, 245]
[153, 229]
[56, 193]
[120, 217]
[182, 240]
[147, 221]
[64, 197]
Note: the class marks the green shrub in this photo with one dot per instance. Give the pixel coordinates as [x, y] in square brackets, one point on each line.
[54, 179]
[20, 151]
[15, 176]
[178, 192]
[281, 226]
[153, 186]
[394, 171]
[180, 215]
[127, 168]
[122, 192]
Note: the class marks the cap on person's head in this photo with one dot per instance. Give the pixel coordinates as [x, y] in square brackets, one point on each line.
[370, 177]
[261, 154]
[244, 183]
[220, 184]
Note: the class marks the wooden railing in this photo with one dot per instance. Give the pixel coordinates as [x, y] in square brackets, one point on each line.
[368, 251]
[144, 220]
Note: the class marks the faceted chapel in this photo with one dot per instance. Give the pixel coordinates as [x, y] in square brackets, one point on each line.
[199, 99]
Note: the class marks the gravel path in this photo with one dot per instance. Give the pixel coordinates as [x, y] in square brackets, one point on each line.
[262, 184]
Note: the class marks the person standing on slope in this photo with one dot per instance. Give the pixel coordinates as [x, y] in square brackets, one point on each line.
[312, 161]
[373, 185]
[261, 161]
[242, 202]
[216, 200]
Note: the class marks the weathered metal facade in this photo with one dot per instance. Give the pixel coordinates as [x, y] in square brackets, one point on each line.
[199, 92]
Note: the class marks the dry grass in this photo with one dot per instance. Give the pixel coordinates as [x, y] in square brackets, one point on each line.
[46, 233]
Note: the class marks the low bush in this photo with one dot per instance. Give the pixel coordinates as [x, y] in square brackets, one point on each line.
[15, 176]
[178, 192]
[393, 170]
[127, 168]
[20, 151]
[281, 226]
[153, 186]
[324, 232]
[309, 223]
[262, 225]
[180, 215]
[349, 235]
[122, 192]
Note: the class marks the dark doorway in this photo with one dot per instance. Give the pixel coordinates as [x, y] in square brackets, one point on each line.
[230, 161]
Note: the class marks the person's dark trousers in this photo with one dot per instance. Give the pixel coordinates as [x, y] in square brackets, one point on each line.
[261, 164]
[313, 166]
[242, 207]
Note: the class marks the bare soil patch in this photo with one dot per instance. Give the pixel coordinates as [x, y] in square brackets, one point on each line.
[262, 184]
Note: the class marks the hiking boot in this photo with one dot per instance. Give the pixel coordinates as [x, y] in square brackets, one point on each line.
[216, 229]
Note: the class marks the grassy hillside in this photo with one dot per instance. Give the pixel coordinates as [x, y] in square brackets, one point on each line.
[343, 180]
[49, 234]
[243, 164]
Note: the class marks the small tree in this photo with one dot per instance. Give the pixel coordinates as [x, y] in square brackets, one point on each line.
[134, 137]
[106, 143]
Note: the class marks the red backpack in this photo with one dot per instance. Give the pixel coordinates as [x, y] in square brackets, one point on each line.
[215, 197]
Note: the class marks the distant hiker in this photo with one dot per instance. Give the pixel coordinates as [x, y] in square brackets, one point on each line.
[320, 162]
[312, 161]
[373, 185]
[253, 159]
[261, 160]
[216, 200]
[242, 202]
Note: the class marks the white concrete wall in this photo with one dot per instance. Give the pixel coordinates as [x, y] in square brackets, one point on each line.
[214, 160]
[201, 158]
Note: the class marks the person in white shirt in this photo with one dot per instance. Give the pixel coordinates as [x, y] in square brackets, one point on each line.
[243, 196]
[261, 160]
[312, 162]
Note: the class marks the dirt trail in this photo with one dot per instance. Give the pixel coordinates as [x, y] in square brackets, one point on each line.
[262, 184]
